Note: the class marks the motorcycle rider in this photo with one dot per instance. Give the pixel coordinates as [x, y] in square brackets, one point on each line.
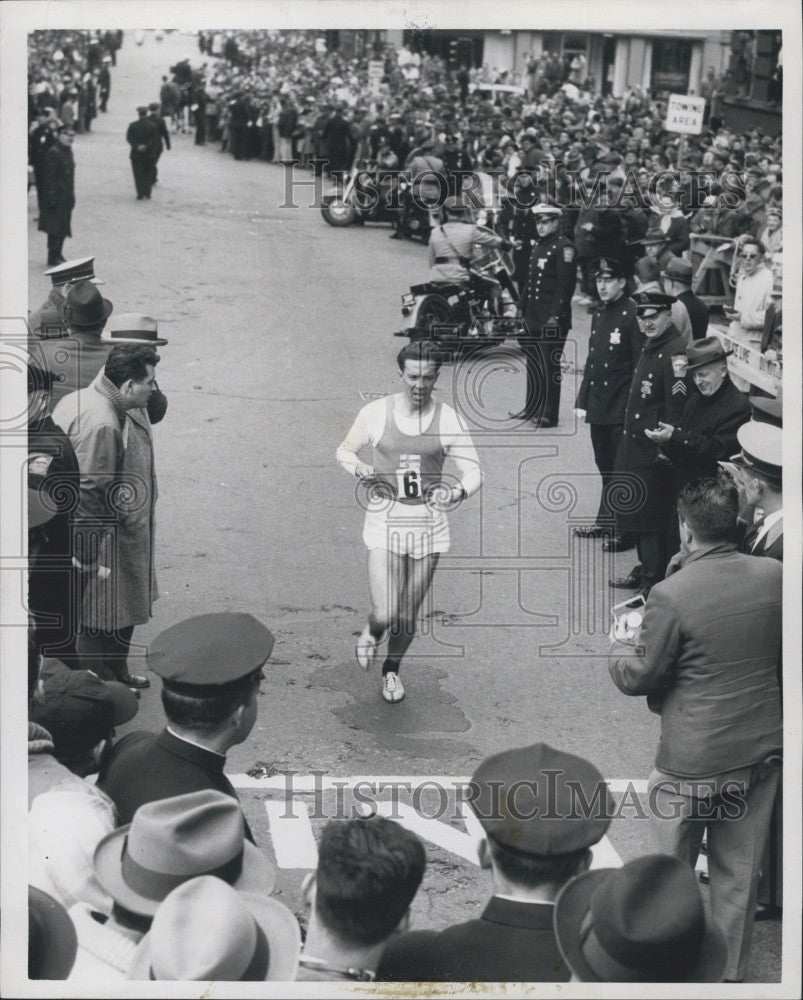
[425, 169]
[451, 245]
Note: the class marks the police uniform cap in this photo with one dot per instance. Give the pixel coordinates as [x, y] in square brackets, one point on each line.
[210, 650]
[78, 269]
[154, 106]
[762, 450]
[542, 208]
[530, 799]
[649, 303]
[142, 109]
[610, 268]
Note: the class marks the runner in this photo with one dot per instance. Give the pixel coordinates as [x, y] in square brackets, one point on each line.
[406, 527]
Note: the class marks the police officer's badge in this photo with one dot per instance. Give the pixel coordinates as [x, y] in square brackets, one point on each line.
[616, 336]
[679, 365]
[646, 388]
[568, 254]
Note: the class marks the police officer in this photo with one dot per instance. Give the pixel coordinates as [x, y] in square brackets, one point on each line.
[450, 244]
[48, 320]
[546, 307]
[143, 137]
[614, 348]
[657, 395]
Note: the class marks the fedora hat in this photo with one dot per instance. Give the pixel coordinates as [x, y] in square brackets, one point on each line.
[644, 922]
[173, 840]
[678, 270]
[85, 305]
[52, 940]
[705, 352]
[132, 328]
[205, 931]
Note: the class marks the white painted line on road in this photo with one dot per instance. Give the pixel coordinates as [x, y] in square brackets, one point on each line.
[292, 837]
[300, 783]
[464, 845]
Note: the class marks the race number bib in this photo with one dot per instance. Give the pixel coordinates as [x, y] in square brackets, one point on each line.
[408, 478]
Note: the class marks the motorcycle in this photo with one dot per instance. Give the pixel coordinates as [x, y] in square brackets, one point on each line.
[474, 315]
[365, 194]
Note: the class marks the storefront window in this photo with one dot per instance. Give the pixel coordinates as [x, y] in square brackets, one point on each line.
[671, 60]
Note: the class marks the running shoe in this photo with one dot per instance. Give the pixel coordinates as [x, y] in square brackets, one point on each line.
[392, 689]
[366, 649]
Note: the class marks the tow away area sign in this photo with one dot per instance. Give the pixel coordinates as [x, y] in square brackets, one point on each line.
[685, 114]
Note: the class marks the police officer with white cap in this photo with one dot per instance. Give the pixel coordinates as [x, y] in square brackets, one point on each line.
[546, 308]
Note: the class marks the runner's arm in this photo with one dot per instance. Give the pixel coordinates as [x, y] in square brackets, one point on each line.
[366, 430]
[458, 446]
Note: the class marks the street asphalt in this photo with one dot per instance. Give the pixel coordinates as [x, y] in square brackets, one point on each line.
[280, 328]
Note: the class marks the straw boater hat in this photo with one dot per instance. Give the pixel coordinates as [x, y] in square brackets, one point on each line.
[132, 328]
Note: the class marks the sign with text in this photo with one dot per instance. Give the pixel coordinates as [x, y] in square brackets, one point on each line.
[376, 70]
[685, 114]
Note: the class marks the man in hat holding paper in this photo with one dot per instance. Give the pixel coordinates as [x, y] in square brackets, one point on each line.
[707, 658]
[657, 393]
[546, 308]
[541, 811]
[211, 668]
[142, 136]
[642, 923]
[48, 320]
[58, 194]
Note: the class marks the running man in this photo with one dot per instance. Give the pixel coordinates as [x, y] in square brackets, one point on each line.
[406, 527]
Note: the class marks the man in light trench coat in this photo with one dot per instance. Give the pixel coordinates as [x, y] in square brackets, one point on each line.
[111, 434]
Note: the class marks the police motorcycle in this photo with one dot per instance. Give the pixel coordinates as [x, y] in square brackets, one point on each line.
[465, 316]
[363, 194]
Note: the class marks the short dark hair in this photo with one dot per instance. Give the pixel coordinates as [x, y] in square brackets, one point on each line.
[419, 350]
[531, 870]
[127, 361]
[368, 872]
[754, 241]
[197, 706]
[710, 507]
